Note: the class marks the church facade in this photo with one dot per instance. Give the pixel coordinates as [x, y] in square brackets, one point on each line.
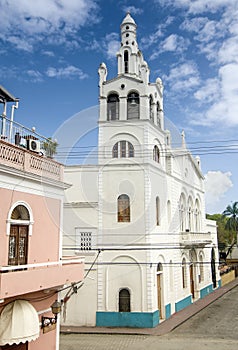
[138, 216]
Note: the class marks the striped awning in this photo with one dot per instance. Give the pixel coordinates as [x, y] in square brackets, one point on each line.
[19, 323]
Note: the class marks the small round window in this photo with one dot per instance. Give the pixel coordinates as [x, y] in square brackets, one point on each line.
[127, 27]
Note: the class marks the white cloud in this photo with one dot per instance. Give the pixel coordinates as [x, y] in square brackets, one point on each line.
[209, 91]
[229, 50]
[217, 39]
[20, 43]
[194, 24]
[48, 53]
[197, 6]
[208, 34]
[173, 43]
[159, 32]
[35, 20]
[205, 28]
[170, 43]
[183, 78]
[217, 184]
[151, 39]
[34, 75]
[111, 44]
[222, 92]
[67, 72]
[133, 10]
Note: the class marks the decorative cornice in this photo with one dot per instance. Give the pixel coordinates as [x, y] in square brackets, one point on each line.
[81, 205]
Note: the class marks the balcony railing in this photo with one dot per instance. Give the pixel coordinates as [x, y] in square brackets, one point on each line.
[22, 279]
[10, 131]
[20, 158]
[199, 239]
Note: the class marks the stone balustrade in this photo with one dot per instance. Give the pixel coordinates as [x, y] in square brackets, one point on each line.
[196, 238]
[22, 159]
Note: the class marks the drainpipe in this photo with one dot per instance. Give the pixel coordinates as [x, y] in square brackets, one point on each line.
[11, 119]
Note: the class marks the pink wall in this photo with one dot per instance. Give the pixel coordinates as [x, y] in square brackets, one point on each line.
[39, 278]
[44, 242]
[45, 341]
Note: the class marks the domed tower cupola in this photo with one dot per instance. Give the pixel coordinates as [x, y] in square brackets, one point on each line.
[129, 57]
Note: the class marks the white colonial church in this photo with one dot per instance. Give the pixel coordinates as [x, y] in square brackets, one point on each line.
[139, 215]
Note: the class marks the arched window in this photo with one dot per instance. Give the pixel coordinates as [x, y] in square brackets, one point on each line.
[151, 108]
[124, 300]
[158, 110]
[190, 214]
[115, 150]
[182, 213]
[157, 211]
[113, 107]
[126, 61]
[133, 106]
[184, 273]
[123, 208]
[18, 237]
[130, 150]
[201, 266]
[156, 154]
[197, 217]
[123, 149]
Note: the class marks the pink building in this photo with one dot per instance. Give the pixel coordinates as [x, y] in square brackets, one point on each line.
[32, 270]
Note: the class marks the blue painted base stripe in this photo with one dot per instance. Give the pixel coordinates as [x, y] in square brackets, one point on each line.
[205, 291]
[167, 311]
[127, 319]
[183, 303]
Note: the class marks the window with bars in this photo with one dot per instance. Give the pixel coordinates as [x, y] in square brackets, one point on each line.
[85, 238]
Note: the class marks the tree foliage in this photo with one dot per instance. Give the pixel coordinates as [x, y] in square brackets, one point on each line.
[225, 237]
[231, 212]
[50, 147]
[227, 227]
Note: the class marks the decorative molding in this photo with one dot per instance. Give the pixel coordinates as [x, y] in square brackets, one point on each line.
[81, 205]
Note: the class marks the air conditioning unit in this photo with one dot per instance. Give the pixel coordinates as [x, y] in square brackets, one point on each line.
[33, 145]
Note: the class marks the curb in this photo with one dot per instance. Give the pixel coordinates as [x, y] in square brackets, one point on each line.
[163, 328]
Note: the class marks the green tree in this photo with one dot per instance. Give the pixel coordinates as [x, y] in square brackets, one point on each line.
[50, 147]
[231, 213]
[223, 234]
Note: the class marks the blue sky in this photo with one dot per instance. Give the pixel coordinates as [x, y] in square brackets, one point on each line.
[51, 49]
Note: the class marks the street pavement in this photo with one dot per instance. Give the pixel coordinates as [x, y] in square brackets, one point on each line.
[210, 323]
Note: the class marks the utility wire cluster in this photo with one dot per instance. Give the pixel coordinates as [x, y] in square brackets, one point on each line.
[200, 148]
